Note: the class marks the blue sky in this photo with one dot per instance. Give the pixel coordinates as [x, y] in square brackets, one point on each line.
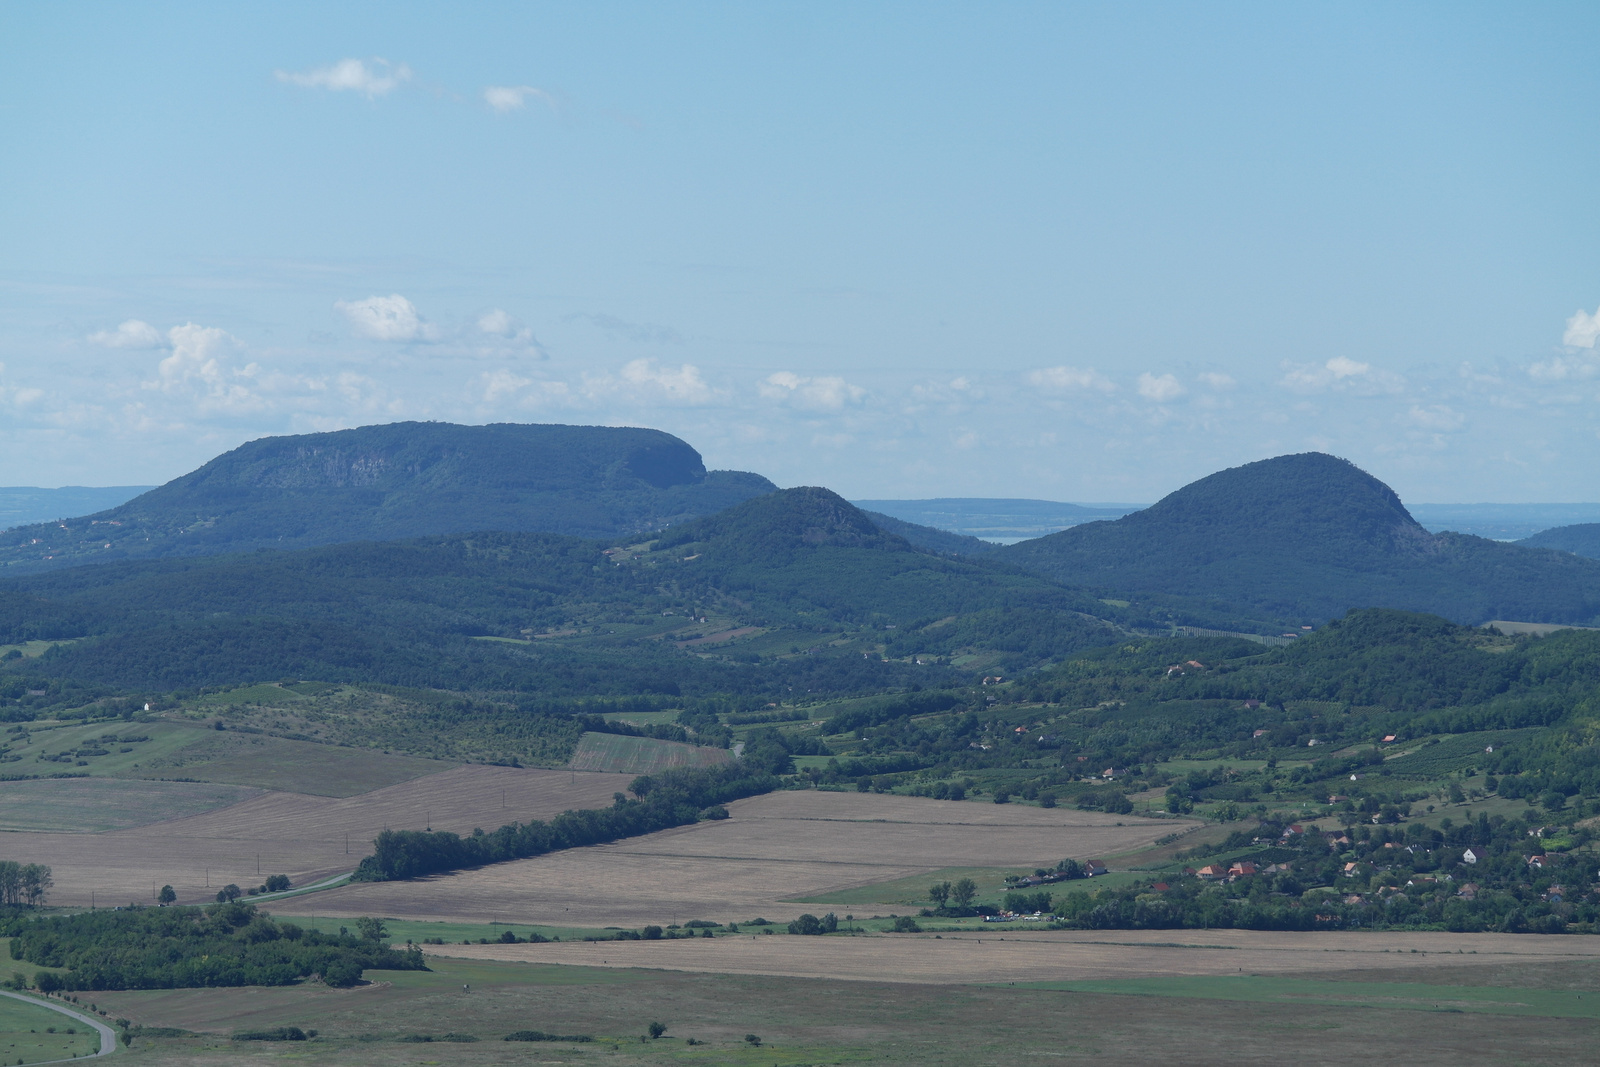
[1081, 252]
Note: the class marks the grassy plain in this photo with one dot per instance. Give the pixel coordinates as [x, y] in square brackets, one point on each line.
[815, 1021]
[31, 1034]
[640, 755]
[92, 805]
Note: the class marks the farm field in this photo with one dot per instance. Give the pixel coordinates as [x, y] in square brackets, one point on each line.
[295, 834]
[775, 850]
[26, 1034]
[1012, 954]
[190, 750]
[92, 805]
[622, 754]
[819, 1021]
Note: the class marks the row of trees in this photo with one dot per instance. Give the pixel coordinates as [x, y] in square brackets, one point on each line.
[24, 884]
[672, 798]
[176, 948]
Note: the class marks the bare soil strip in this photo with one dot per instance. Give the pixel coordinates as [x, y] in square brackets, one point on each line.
[774, 850]
[1048, 955]
[294, 834]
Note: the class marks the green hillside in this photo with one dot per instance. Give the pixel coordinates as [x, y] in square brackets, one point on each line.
[1582, 539]
[396, 481]
[792, 591]
[1304, 538]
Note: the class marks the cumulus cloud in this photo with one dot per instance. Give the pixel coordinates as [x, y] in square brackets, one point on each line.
[203, 366]
[826, 394]
[1069, 379]
[1341, 372]
[1160, 389]
[497, 323]
[507, 98]
[643, 381]
[1583, 330]
[1574, 368]
[1218, 381]
[131, 334]
[386, 318]
[372, 79]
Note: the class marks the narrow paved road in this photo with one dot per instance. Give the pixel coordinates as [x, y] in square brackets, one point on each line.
[108, 1036]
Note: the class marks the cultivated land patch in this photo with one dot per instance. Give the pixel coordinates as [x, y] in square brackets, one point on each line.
[775, 851]
[290, 766]
[26, 1034]
[1062, 956]
[294, 834]
[91, 805]
[817, 1021]
[622, 754]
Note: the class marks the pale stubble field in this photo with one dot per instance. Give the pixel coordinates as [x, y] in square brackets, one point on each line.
[773, 850]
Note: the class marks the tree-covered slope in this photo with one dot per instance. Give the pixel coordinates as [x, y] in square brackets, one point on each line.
[1582, 539]
[1307, 537]
[399, 480]
[794, 588]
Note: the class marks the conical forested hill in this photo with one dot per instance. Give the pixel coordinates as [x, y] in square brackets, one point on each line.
[1308, 537]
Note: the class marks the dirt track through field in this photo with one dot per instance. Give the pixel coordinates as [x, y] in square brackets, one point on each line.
[294, 834]
[774, 849]
[1048, 955]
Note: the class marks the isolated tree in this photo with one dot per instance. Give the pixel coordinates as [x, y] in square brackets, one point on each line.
[277, 883]
[657, 1030]
[939, 893]
[963, 892]
[754, 1041]
[371, 929]
[228, 893]
[166, 896]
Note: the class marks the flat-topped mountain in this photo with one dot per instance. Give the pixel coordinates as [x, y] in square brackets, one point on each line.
[400, 480]
[1307, 537]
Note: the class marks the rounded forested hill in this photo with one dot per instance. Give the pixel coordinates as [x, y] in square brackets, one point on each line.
[1582, 539]
[1309, 537]
[404, 479]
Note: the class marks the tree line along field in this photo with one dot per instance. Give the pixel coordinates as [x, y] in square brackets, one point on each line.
[774, 851]
[306, 837]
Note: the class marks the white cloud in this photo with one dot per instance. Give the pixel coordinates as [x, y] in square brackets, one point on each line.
[1218, 381]
[1437, 417]
[352, 75]
[828, 393]
[1160, 389]
[387, 318]
[201, 366]
[497, 323]
[1583, 330]
[508, 98]
[131, 334]
[1341, 372]
[1067, 379]
[642, 380]
[1574, 368]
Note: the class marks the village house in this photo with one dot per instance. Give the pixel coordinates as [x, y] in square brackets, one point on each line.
[1470, 856]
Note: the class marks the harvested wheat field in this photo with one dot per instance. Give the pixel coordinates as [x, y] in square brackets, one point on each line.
[775, 849]
[1049, 956]
[294, 834]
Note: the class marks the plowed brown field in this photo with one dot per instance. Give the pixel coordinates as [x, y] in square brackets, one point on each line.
[774, 849]
[294, 834]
